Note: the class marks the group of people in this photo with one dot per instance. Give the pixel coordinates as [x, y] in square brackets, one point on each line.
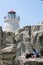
[35, 54]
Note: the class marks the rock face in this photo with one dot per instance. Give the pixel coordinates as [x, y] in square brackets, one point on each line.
[19, 43]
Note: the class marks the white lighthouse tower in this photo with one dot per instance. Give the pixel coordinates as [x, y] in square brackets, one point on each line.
[11, 21]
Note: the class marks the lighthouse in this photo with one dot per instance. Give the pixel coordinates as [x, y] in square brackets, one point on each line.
[11, 21]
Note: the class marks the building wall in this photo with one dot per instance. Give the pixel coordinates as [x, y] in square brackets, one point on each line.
[11, 25]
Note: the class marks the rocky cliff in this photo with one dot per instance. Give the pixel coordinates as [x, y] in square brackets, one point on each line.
[17, 44]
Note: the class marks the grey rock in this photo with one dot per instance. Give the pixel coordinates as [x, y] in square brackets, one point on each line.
[19, 43]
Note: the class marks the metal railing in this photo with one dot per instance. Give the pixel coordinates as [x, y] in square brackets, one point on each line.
[10, 16]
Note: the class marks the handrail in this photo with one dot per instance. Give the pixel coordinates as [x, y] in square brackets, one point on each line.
[9, 16]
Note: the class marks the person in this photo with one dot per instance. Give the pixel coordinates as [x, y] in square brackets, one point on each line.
[30, 55]
[36, 53]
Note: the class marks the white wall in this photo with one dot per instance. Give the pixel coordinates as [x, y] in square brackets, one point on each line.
[11, 25]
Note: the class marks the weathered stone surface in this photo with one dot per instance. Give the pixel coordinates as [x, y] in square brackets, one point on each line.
[31, 61]
[19, 43]
[8, 54]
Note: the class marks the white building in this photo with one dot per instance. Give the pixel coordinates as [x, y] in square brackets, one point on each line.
[11, 21]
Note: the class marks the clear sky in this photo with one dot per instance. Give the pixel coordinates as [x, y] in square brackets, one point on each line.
[30, 11]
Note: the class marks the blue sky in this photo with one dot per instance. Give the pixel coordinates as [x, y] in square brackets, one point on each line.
[30, 11]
